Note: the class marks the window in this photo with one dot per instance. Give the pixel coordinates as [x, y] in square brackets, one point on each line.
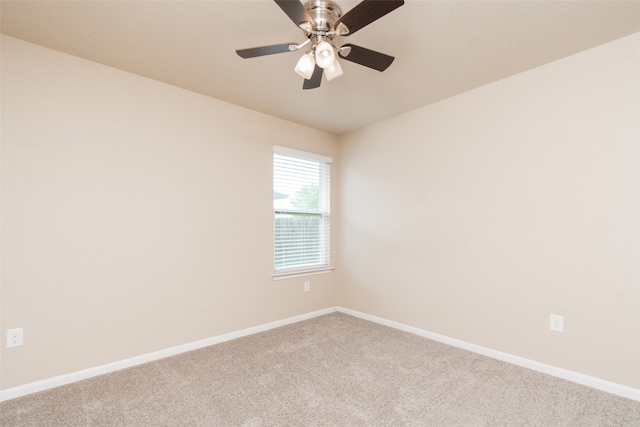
[301, 212]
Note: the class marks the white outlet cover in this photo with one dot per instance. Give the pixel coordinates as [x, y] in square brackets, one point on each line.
[15, 337]
[556, 323]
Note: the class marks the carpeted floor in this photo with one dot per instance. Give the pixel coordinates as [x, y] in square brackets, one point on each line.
[334, 370]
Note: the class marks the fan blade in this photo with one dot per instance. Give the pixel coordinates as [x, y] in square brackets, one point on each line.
[363, 14]
[297, 13]
[264, 50]
[367, 57]
[315, 80]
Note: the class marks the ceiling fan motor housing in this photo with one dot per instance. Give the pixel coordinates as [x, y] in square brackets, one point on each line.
[325, 13]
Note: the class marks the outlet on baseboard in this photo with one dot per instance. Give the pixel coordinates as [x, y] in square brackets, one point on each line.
[15, 337]
[556, 323]
[307, 286]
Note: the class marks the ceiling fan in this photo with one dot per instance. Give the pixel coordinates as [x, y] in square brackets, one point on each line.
[322, 21]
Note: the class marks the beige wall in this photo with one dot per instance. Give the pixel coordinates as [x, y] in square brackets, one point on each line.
[480, 215]
[136, 216]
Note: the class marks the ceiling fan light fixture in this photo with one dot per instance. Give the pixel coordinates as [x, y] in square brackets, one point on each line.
[322, 21]
[333, 71]
[325, 56]
[305, 66]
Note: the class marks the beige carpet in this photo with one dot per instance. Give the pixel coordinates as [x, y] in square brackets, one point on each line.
[335, 370]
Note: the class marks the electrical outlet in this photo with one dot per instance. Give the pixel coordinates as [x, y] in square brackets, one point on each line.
[556, 323]
[307, 286]
[15, 337]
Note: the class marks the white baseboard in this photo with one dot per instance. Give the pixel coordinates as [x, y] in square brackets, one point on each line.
[34, 387]
[586, 380]
[596, 383]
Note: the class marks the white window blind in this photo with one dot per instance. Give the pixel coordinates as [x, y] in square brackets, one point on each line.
[301, 195]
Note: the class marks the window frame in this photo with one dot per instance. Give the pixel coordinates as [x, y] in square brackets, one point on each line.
[324, 212]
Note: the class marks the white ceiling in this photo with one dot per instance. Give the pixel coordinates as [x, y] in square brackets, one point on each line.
[442, 48]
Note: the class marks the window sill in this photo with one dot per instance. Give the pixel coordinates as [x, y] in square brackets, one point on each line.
[301, 273]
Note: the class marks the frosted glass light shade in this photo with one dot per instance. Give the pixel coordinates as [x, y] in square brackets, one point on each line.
[325, 56]
[305, 66]
[334, 71]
